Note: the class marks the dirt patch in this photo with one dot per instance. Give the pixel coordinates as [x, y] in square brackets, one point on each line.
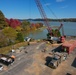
[38, 65]
[39, 57]
[5, 68]
[33, 42]
[34, 69]
[56, 45]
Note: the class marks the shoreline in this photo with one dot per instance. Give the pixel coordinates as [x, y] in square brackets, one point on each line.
[6, 49]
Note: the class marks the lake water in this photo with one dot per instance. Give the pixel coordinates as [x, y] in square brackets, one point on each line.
[69, 30]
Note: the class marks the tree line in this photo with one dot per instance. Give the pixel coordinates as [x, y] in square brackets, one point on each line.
[60, 20]
[11, 30]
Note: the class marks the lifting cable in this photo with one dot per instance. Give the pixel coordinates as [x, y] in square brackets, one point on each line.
[51, 10]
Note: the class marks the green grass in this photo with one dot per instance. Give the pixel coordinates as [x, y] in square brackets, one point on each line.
[5, 50]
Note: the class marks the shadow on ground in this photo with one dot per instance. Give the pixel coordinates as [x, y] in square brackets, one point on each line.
[68, 74]
[58, 49]
[48, 59]
[74, 63]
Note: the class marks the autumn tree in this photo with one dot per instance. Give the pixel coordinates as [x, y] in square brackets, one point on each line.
[41, 24]
[14, 23]
[3, 40]
[8, 21]
[33, 26]
[26, 25]
[10, 34]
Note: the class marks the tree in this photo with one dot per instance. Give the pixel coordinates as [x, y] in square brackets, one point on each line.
[33, 26]
[3, 40]
[20, 37]
[18, 28]
[40, 24]
[14, 23]
[10, 34]
[3, 22]
[26, 25]
[8, 21]
[57, 33]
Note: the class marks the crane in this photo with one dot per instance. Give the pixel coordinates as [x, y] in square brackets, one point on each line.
[44, 17]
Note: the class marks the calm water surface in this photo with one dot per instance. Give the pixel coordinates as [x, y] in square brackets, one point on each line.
[69, 29]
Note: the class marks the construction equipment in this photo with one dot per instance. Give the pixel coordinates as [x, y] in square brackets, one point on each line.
[69, 46]
[50, 35]
[56, 35]
[7, 60]
[57, 59]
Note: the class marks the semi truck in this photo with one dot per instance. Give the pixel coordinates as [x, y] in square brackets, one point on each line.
[58, 57]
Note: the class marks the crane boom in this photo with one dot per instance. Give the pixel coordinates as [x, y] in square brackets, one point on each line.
[43, 15]
[61, 26]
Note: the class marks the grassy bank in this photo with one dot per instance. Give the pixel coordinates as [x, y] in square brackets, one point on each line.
[5, 50]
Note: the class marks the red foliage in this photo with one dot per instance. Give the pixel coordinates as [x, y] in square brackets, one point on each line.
[33, 24]
[13, 22]
[37, 25]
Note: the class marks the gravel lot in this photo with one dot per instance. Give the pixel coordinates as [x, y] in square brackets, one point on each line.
[31, 61]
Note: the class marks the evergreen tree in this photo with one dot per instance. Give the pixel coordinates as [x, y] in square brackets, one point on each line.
[20, 37]
[3, 22]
